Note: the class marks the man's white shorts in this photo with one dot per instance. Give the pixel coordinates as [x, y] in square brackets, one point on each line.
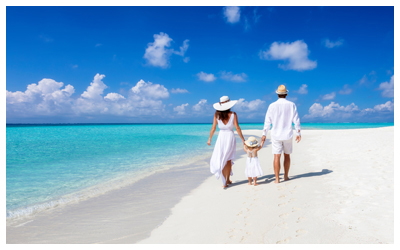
[279, 146]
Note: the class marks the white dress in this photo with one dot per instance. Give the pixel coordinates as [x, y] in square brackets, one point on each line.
[253, 167]
[224, 150]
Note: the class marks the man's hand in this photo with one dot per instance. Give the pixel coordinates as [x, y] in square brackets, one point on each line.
[298, 138]
[263, 138]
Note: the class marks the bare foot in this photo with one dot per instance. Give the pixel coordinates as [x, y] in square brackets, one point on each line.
[277, 181]
[286, 178]
[225, 186]
[255, 184]
[249, 183]
[229, 182]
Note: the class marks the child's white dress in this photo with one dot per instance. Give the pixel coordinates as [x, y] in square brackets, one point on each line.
[253, 167]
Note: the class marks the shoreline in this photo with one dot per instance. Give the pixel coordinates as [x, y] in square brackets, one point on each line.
[138, 212]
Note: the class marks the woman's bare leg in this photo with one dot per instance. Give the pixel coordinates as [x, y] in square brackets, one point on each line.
[249, 180]
[229, 167]
[255, 181]
[225, 173]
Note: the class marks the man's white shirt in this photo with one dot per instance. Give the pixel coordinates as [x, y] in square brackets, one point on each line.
[281, 114]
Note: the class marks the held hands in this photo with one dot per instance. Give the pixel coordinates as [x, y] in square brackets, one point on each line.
[263, 139]
[298, 138]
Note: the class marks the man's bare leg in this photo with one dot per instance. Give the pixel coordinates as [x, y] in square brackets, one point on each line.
[286, 166]
[277, 166]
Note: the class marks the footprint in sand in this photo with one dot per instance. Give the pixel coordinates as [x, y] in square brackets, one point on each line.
[282, 204]
[293, 199]
[282, 196]
[293, 191]
[284, 216]
[284, 241]
[296, 209]
[301, 232]
[301, 219]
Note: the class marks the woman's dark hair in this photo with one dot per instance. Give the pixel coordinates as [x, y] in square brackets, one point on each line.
[222, 115]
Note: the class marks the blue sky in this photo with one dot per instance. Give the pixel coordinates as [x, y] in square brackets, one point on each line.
[170, 64]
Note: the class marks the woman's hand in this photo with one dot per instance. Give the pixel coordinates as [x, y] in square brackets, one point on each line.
[243, 142]
[209, 142]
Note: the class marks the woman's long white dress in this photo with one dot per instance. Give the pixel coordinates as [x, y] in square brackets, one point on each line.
[253, 167]
[224, 150]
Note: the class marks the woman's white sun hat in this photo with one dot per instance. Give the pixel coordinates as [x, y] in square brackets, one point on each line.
[282, 90]
[251, 142]
[224, 104]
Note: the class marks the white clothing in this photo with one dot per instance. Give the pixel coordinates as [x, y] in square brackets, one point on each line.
[281, 114]
[253, 167]
[279, 146]
[224, 150]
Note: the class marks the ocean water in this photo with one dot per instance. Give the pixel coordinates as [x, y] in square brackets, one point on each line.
[51, 165]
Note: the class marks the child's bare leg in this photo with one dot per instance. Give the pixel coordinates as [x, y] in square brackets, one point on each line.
[249, 180]
[255, 181]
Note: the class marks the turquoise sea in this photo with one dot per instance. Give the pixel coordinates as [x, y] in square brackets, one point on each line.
[51, 165]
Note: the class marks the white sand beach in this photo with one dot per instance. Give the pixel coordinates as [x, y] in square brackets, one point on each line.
[341, 191]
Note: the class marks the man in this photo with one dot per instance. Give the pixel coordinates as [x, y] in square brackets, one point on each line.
[281, 114]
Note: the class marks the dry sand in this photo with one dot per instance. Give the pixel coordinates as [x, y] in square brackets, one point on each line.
[341, 191]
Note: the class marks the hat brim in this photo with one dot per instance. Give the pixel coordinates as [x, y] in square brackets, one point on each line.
[251, 146]
[224, 106]
[282, 93]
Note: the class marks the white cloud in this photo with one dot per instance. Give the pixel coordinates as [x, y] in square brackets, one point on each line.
[179, 91]
[113, 97]
[232, 14]
[368, 80]
[330, 96]
[181, 109]
[96, 88]
[158, 52]
[206, 77]
[331, 44]
[186, 59]
[346, 90]
[200, 106]
[229, 76]
[296, 53]
[351, 113]
[75, 66]
[183, 48]
[255, 105]
[47, 98]
[387, 88]
[317, 110]
[388, 106]
[303, 89]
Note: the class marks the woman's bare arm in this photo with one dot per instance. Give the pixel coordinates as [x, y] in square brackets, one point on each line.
[245, 148]
[213, 128]
[239, 131]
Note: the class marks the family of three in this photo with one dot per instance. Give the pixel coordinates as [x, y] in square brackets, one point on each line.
[281, 114]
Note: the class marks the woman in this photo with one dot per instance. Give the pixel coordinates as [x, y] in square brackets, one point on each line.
[225, 148]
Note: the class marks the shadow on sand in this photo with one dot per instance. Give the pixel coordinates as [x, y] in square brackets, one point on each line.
[270, 178]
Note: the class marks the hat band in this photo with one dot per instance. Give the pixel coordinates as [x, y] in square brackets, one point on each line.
[220, 103]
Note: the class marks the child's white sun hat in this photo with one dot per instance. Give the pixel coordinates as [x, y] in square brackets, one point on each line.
[251, 142]
[224, 104]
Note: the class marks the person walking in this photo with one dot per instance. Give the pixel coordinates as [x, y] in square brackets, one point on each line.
[281, 114]
[225, 148]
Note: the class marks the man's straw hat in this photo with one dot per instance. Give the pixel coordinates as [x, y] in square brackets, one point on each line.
[251, 142]
[224, 104]
[282, 90]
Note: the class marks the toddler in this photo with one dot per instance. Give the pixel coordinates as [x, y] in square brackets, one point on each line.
[253, 168]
